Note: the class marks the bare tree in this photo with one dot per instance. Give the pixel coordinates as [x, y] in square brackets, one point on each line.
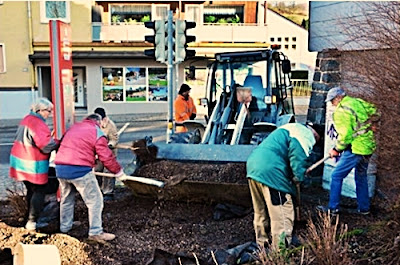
[371, 70]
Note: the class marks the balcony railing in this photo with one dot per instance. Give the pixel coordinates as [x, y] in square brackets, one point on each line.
[240, 32]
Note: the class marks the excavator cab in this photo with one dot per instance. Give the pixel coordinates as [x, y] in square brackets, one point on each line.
[266, 75]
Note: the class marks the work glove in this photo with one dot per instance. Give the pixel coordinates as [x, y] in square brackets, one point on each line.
[296, 180]
[111, 146]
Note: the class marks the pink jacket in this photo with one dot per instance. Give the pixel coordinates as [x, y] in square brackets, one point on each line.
[80, 145]
[29, 158]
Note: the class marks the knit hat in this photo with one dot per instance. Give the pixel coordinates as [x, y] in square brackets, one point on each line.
[184, 88]
[318, 128]
[101, 112]
[334, 92]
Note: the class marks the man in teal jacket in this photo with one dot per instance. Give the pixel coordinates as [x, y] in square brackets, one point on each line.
[273, 169]
[354, 122]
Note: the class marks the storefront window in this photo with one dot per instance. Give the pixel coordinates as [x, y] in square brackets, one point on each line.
[158, 84]
[135, 81]
[134, 84]
[113, 84]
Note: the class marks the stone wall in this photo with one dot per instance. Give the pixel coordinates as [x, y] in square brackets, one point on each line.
[326, 76]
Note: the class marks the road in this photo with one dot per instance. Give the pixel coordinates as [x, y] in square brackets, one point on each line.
[137, 129]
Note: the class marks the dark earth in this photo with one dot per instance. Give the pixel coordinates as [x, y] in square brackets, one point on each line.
[188, 229]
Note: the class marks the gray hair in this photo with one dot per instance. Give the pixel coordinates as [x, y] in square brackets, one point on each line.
[94, 117]
[41, 104]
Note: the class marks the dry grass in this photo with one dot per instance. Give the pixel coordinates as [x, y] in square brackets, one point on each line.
[327, 241]
[324, 243]
[17, 202]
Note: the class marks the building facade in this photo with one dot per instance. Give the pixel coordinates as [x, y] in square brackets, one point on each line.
[109, 66]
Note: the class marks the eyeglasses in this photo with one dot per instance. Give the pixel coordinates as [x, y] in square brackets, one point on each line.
[48, 110]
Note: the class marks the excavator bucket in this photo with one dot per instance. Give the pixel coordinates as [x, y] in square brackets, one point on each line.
[204, 152]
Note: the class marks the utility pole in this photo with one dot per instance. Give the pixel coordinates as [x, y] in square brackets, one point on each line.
[170, 74]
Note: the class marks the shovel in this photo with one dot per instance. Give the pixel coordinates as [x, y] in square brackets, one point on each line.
[130, 169]
[148, 181]
[319, 162]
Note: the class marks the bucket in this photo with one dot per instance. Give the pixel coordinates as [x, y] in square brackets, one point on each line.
[36, 255]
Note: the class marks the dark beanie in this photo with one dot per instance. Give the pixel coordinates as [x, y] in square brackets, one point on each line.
[101, 112]
[320, 129]
[183, 89]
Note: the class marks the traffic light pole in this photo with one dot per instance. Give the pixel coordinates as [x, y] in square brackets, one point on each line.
[170, 73]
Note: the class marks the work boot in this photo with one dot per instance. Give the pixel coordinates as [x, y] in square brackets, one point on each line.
[325, 209]
[363, 212]
[108, 197]
[102, 237]
[30, 225]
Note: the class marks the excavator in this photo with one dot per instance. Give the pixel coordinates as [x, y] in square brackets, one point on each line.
[248, 95]
[260, 77]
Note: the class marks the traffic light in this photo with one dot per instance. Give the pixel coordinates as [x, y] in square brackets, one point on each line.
[181, 40]
[158, 39]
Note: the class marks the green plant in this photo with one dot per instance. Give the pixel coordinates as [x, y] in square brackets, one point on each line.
[210, 19]
[222, 21]
[145, 18]
[235, 19]
[116, 19]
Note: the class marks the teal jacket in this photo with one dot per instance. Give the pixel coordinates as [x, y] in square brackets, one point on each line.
[353, 120]
[282, 155]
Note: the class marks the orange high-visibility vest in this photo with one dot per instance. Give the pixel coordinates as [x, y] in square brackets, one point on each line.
[183, 110]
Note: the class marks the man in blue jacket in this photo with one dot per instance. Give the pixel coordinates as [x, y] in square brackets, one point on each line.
[273, 169]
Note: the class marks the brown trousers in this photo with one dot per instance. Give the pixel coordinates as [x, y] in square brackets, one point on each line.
[281, 214]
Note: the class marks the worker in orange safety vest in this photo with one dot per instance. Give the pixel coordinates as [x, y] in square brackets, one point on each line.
[184, 108]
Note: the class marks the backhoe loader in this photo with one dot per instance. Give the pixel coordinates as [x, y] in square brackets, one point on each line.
[248, 95]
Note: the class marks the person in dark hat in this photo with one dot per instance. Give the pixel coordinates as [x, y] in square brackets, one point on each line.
[184, 108]
[110, 130]
[273, 170]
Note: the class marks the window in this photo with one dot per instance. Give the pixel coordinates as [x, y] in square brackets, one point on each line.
[134, 84]
[50, 10]
[2, 58]
[279, 39]
[286, 46]
[294, 46]
[294, 39]
[223, 14]
[160, 12]
[130, 13]
[286, 39]
[272, 39]
[193, 13]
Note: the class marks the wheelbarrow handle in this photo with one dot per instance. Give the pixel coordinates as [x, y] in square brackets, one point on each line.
[148, 181]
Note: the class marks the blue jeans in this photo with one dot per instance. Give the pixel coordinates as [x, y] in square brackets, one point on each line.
[347, 162]
[89, 190]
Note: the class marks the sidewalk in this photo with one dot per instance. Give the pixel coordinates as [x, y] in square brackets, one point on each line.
[79, 115]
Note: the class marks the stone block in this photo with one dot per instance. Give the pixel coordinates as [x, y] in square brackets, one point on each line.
[329, 65]
[317, 100]
[317, 76]
[331, 77]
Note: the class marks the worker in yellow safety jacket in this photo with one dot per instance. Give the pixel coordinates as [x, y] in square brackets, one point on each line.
[184, 108]
[354, 121]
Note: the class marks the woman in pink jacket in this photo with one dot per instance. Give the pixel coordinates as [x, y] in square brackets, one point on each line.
[29, 158]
